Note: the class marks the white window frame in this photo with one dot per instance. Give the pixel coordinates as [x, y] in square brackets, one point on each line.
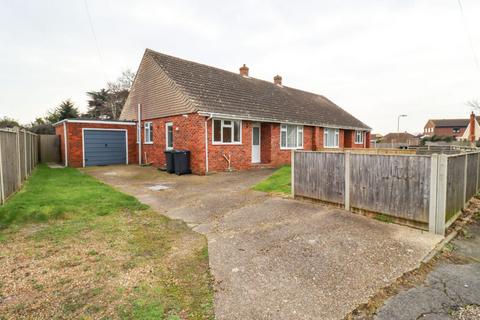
[359, 137]
[232, 126]
[336, 139]
[147, 126]
[298, 142]
[167, 125]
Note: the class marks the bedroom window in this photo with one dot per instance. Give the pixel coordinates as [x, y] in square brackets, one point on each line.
[148, 132]
[331, 138]
[227, 131]
[291, 136]
[359, 137]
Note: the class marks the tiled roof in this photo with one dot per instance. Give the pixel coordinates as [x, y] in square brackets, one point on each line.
[450, 122]
[213, 90]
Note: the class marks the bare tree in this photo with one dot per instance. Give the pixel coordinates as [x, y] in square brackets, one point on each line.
[474, 104]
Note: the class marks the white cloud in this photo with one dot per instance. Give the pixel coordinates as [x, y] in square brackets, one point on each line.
[374, 58]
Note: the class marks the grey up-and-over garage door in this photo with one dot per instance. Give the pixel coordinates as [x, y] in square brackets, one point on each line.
[103, 147]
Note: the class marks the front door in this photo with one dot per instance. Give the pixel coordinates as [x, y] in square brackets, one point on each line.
[256, 143]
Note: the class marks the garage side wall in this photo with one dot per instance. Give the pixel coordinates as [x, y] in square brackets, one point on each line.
[75, 144]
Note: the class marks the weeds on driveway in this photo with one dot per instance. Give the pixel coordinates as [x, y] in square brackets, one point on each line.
[73, 247]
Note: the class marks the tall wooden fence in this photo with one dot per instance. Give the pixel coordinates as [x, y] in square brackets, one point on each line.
[18, 157]
[422, 190]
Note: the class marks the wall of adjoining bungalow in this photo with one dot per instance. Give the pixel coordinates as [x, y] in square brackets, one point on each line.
[189, 134]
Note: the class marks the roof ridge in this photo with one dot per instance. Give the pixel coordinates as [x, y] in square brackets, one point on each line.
[234, 73]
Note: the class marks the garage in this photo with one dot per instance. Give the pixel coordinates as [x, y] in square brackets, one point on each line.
[95, 142]
[103, 147]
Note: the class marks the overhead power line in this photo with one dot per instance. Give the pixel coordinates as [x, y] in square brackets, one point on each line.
[469, 36]
[100, 58]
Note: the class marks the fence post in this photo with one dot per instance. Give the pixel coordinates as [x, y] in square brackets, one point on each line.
[17, 132]
[478, 165]
[441, 194]
[432, 204]
[2, 187]
[292, 167]
[25, 152]
[465, 176]
[347, 181]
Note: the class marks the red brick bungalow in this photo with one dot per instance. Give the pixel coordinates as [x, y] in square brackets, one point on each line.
[228, 120]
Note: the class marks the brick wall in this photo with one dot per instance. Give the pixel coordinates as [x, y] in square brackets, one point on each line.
[75, 143]
[59, 132]
[448, 132]
[188, 134]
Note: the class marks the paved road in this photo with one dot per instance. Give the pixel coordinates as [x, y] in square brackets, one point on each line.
[451, 290]
[275, 258]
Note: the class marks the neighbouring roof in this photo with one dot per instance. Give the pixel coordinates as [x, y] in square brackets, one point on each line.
[215, 91]
[441, 123]
[402, 137]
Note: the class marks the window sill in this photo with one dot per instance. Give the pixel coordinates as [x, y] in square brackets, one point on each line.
[148, 142]
[226, 143]
[285, 148]
[359, 143]
[336, 147]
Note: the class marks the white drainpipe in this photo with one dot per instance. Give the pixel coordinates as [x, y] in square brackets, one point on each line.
[65, 142]
[206, 143]
[139, 133]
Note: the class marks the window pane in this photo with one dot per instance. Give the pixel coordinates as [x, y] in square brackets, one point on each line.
[227, 134]
[236, 131]
[283, 139]
[170, 136]
[151, 133]
[299, 137]
[227, 122]
[217, 134]
[291, 136]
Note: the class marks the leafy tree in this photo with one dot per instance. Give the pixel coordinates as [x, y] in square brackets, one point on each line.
[66, 110]
[7, 122]
[97, 104]
[41, 126]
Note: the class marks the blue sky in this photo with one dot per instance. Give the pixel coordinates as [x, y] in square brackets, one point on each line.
[376, 59]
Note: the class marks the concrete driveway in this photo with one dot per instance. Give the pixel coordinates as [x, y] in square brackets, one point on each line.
[275, 258]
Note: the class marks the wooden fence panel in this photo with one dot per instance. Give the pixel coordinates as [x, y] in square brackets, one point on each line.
[18, 157]
[472, 168]
[49, 148]
[320, 175]
[455, 185]
[395, 185]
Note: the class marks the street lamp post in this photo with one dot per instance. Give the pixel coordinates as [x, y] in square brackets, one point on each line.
[398, 121]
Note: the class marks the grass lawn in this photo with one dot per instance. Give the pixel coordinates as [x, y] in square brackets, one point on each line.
[73, 247]
[278, 182]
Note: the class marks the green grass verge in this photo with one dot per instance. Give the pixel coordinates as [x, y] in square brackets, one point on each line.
[55, 193]
[131, 262]
[278, 182]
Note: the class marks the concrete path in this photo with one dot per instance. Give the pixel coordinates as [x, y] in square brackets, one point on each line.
[451, 290]
[275, 258]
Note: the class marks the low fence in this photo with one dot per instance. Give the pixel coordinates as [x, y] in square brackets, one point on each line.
[426, 191]
[18, 157]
